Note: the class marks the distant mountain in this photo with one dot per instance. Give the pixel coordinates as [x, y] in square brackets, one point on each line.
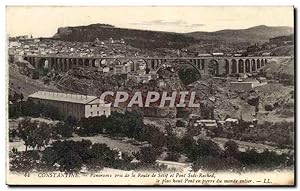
[255, 34]
[134, 37]
[227, 39]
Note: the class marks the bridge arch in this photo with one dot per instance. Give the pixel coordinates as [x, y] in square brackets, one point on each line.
[86, 62]
[234, 66]
[43, 63]
[131, 63]
[140, 64]
[177, 62]
[241, 66]
[213, 67]
[248, 66]
[80, 62]
[258, 63]
[253, 65]
[262, 62]
[227, 67]
[115, 62]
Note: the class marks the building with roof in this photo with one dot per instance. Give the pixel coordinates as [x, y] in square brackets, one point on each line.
[75, 105]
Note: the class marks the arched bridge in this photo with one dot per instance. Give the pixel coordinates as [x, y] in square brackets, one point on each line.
[216, 66]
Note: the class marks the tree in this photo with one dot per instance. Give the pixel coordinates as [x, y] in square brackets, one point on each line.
[101, 155]
[148, 154]
[42, 135]
[71, 121]
[231, 148]
[63, 129]
[173, 156]
[23, 161]
[188, 75]
[68, 155]
[70, 161]
[173, 143]
[92, 125]
[203, 148]
[25, 131]
[211, 163]
[154, 136]
[34, 134]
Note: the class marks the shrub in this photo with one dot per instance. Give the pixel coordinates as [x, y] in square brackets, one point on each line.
[172, 156]
[148, 154]
[269, 107]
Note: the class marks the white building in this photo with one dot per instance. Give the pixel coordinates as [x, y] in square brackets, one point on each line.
[75, 105]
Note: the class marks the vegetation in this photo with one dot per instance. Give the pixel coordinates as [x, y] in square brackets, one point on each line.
[188, 75]
[129, 124]
[207, 155]
[31, 109]
[34, 135]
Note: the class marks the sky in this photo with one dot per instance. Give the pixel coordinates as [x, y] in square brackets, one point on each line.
[43, 21]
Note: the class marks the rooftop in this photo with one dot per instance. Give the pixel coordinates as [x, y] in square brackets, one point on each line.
[64, 97]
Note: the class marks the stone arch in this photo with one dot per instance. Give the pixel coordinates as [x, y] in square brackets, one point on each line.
[266, 61]
[227, 67]
[66, 63]
[241, 66]
[131, 63]
[253, 65]
[80, 62]
[139, 64]
[187, 62]
[56, 63]
[258, 63]
[86, 62]
[93, 62]
[153, 64]
[176, 63]
[61, 65]
[234, 66]
[43, 63]
[116, 62]
[97, 62]
[195, 62]
[248, 66]
[32, 61]
[74, 61]
[148, 67]
[70, 63]
[213, 67]
[52, 61]
[103, 62]
[262, 62]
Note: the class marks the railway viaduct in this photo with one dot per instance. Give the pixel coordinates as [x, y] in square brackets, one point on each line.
[216, 66]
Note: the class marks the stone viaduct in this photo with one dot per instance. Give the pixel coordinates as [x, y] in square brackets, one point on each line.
[216, 66]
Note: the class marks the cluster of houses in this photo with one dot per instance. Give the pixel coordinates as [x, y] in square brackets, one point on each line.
[208, 125]
[40, 46]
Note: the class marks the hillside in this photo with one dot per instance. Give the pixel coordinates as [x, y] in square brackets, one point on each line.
[259, 34]
[20, 83]
[134, 37]
[223, 40]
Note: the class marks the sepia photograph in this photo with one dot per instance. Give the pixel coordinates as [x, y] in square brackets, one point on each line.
[150, 95]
